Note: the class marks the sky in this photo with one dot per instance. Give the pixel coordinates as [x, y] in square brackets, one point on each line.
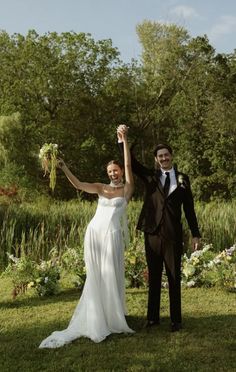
[117, 19]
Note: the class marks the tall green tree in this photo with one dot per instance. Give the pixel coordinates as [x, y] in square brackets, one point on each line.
[186, 83]
[57, 83]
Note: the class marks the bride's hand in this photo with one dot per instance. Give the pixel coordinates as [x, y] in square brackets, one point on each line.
[60, 163]
[122, 131]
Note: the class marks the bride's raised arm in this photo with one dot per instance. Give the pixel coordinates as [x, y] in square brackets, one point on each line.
[91, 188]
[129, 179]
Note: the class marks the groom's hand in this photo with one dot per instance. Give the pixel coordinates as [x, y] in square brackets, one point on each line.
[195, 244]
[122, 131]
[122, 128]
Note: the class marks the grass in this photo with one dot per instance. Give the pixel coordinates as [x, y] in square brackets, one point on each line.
[36, 228]
[207, 342]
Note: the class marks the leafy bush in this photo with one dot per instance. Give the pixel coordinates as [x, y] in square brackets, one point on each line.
[21, 271]
[135, 264]
[26, 273]
[46, 278]
[202, 268]
[73, 264]
[206, 268]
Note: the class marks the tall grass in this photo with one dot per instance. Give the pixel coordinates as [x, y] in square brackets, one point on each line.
[217, 222]
[36, 228]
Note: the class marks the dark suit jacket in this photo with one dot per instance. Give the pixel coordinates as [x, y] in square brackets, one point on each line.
[165, 213]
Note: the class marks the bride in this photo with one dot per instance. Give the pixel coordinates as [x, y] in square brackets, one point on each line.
[101, 308]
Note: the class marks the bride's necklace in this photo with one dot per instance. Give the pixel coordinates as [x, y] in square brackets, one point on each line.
[116, 185]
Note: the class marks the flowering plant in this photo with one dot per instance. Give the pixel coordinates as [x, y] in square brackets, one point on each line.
[181, 180]
[48, 157]
[21, 271]
[193, 266]
[204, 267]
[46, 278]
[136, 273]
[25, 274]
[72, 262]
[224, 264]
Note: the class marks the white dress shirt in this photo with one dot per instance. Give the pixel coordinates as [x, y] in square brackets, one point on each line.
[173, 182]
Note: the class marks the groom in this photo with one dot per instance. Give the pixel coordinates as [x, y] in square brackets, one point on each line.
[166, 191]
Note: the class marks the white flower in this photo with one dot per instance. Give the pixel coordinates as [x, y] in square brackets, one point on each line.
[46, 279]
[196, 253]
[41, 154]
[188, 271]
[48, 148]
[13, 258]
[31, 284]
[206, 248]
[191, 283]
[230, 251]
[211, 264]
[164, 285]
[217, 260]
[43, 265]
[180, 178]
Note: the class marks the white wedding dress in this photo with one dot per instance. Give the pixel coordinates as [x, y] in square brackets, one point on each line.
[101, 308]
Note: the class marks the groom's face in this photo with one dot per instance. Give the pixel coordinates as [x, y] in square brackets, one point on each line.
[164, 159]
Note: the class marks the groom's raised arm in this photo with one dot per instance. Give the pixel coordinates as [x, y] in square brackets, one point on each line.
[137, 168]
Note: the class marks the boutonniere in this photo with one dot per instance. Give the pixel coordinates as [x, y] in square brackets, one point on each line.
[181, 181]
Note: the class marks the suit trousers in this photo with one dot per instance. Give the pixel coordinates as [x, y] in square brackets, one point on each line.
[159, 251]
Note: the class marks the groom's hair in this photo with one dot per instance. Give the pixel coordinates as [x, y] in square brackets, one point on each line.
[116, 162]
[161, 146]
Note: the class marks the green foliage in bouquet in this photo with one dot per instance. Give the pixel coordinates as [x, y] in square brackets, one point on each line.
[48, 157]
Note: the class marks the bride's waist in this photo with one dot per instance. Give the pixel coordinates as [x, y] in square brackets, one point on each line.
[100, 225]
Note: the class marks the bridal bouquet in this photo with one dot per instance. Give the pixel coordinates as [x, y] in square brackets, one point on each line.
[48, 157]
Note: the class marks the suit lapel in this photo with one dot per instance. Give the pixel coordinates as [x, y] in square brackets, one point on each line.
[177, 177]
[157, 179]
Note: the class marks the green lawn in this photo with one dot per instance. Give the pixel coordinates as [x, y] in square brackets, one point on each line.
[207, 342]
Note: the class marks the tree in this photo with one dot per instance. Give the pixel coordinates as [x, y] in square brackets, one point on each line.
[186, 85]
[56, 82]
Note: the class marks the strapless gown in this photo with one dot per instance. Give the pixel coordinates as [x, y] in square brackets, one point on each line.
[101, 308]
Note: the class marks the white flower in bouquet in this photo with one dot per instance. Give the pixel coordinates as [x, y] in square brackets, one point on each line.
[48, 157]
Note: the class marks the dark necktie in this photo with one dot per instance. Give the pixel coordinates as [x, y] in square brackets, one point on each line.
[167, 184]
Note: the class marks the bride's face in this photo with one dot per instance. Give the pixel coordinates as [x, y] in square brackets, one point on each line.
[115, 173]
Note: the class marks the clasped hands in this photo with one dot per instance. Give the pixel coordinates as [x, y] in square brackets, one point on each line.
[122, 131]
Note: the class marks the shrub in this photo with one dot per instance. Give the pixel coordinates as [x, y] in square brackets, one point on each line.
[26, 273]
[206, 268]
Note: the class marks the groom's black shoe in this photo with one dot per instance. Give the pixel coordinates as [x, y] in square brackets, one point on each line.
[152, 323]
[175, 327]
